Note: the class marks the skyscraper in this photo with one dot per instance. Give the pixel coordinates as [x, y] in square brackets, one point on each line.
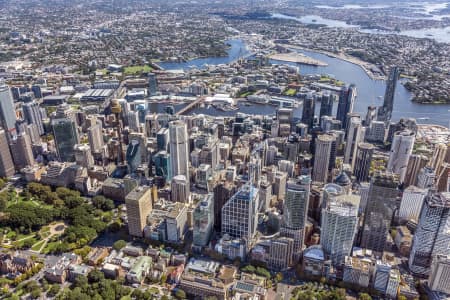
[326, 104]
[385, 112]
[223, 191]
[308, 110]
[180, 189]
[203, 221]
[339, 224]
[95, 138]
[6, 161]
[21, 151]
[239, 214]
[133, 155]
[139, 206]
[381, 204]
[416, 163]
[401, 150]
[295, 211]
[152, 84]
[179, 151]
[32, 114]
[66, 137]
[83, 156]
[362, 161]
[324, 144]
[431, 237]
[347, 97]
[438, 280]
[7, 110]
[353, 138]
[411, 204]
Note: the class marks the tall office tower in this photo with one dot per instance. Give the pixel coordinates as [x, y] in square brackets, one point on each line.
[179, 151]
[265, 195]
[32, 131]
[180, 189]
[324, 144]
[284, 115]
[161, 161]
[380, 208]
[385, 112]
[330, 191]
[239, 214]
[134, 155]
[370, 116]
[382, 275]
[443, 178]
[203, 221]
[362, 161]
[326, 104]
[287, 166]
[83, 156]
[66, 137]
[162, 139]
[7, 110]
[21, 150]
[432, 236]
[152, 84]
[426, 178]
[32, 114]
[347, 97]
[401, 150]
[438, 281]
[376, 132]
[416, 163]
[411, 204]
[353, 138]
[223, 191]
[279, 185]
[139, 206]
[95, 138]
[6, 161]
[254, 170]
[295, 212]
[439, 156]
[338, 227]
[133, 121]
[308, 111]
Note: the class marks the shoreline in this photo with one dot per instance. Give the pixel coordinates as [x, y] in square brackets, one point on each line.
[355, 61]
[297, 58]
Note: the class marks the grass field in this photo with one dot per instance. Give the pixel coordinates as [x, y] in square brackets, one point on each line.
[290, 92]
[133, 70]
[38, 245]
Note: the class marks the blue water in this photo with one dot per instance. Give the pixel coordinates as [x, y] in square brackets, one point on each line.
[368, 89]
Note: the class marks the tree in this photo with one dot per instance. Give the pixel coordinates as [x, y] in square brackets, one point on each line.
[262, 272]
[180, 294]
[118, 245]
[248, 269]
[95, 276]
[36, 293]
[54, 290]
[364, 296]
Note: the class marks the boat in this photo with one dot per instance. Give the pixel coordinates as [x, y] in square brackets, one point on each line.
[247, 104]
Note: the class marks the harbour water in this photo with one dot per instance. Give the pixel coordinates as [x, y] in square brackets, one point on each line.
[368, 90]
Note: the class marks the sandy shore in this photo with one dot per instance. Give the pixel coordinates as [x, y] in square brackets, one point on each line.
[364, 65]
[297, 58]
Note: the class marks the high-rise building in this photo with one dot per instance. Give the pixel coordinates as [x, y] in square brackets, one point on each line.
[21, 150]
[223, 191]
[426, 178]
[32, 114]
[161, 162]
[133, 155]
[83, 156]
[203, 221]
[66, 137]
[326, 104]
[362, 161]
[139, 206]
[95, 138]
[432, 236]
[347, 97]
[416, 163]
[439, 157]
[338, 227]
[295, 211]
[7, 110]
[381, 204]
[324, 144]
[284, 115]
[411, 204]
[179, 150]
[6, 161]
[370, 116]
[239, 214]
[385, 112]
[401, 150]
[354, 136]
[152, 84]
[180, 189]
[438, 280]
[308, 110]
[162, 139]
[279, 185]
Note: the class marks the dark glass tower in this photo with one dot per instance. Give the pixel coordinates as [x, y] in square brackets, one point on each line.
[346, 100]
[308, 111]
[385, 112]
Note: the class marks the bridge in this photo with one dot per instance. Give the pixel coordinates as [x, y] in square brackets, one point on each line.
[190, 106]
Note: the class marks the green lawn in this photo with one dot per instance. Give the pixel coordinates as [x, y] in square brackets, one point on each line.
[134, 70]
[38, 245]
[290, 92]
